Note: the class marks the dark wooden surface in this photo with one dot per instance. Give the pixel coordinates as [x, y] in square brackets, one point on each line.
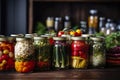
[77, 74]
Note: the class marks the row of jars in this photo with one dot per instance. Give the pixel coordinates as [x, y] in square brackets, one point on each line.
[51, 53]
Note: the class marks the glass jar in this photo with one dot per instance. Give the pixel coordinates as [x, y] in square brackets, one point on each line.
[24, 55]
[83, 26]
[50, 22]
[58, 26]
[60, 59]
[102, 25]
[43, 53]
[6, 55]
[67, 22]
[79, 52]
[97, 52]
[93, 22]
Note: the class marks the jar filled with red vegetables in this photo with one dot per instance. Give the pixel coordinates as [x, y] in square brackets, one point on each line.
[60, 57]
[6, 55]
[24, 55]
[43, 53]
[79, 52]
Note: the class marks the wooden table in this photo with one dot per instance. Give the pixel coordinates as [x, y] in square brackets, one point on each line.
[72, 74]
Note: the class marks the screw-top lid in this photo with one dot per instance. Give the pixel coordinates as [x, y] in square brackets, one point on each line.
[102, 18]
[82, 22]
[93, 11]
[39, 38]
[22, 38]
[86, 35]
[59, 38]
[3, 39]
[97, 38]
[77, 38]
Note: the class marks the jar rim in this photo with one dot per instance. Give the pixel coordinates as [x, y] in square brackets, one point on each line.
[3, 39]
[78, 38]
[97, 38]
[38, 38]
[86, 35]
[22, 38]
[59, 38]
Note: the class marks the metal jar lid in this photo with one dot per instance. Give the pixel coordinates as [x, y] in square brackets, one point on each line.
[59, 38]
[86, 35]
[39, 38]
[22, 39]
[97, 38]
[77, 38]
[3, 39]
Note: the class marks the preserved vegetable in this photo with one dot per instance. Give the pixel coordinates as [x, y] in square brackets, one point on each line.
[43, 53]
[97, 53]
[60, 59]
[79, 55]
[24, 55]
[6, 55]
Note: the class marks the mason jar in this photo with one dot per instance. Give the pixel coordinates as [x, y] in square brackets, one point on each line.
[60, 57]
[6, 55]
[97, 52]
[24, 55]
[43, 53]
[79, 53]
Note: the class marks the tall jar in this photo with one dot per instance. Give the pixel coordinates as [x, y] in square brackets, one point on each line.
[60, 58]
[6, 55]
[97, 52]
[79, 53]
[93, 22]
[24, 55]
[43, 53]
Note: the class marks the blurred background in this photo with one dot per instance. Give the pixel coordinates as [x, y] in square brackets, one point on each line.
[22, 16]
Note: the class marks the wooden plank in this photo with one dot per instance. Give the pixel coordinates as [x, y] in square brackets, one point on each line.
[30, 18]
[86, 74]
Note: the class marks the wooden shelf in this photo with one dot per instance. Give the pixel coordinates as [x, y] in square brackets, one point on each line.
[75, 8]
[74, 74]
[77, 0]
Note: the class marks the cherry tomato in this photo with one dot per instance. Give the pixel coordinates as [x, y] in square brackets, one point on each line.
[5, 56]
[60, 33]
[83, 55]
[79, 32]
[51, 41]
[75, 53]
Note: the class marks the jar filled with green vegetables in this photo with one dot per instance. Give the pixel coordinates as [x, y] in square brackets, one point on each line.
[42, 53]
[60, 57]
[97, 52]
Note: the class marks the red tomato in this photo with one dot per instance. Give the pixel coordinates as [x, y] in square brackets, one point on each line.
[1, 59]
[83, 55]
[51, 41]
[5, 57]
[75, 53]
[60, 33]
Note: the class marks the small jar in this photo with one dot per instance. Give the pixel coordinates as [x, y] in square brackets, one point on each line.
[6, 55]
[97, 52]
[60, 58]
[79, 53]
[43, 53]
[24, 55]
[50, 22]
[83, 26]
[58, 26]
